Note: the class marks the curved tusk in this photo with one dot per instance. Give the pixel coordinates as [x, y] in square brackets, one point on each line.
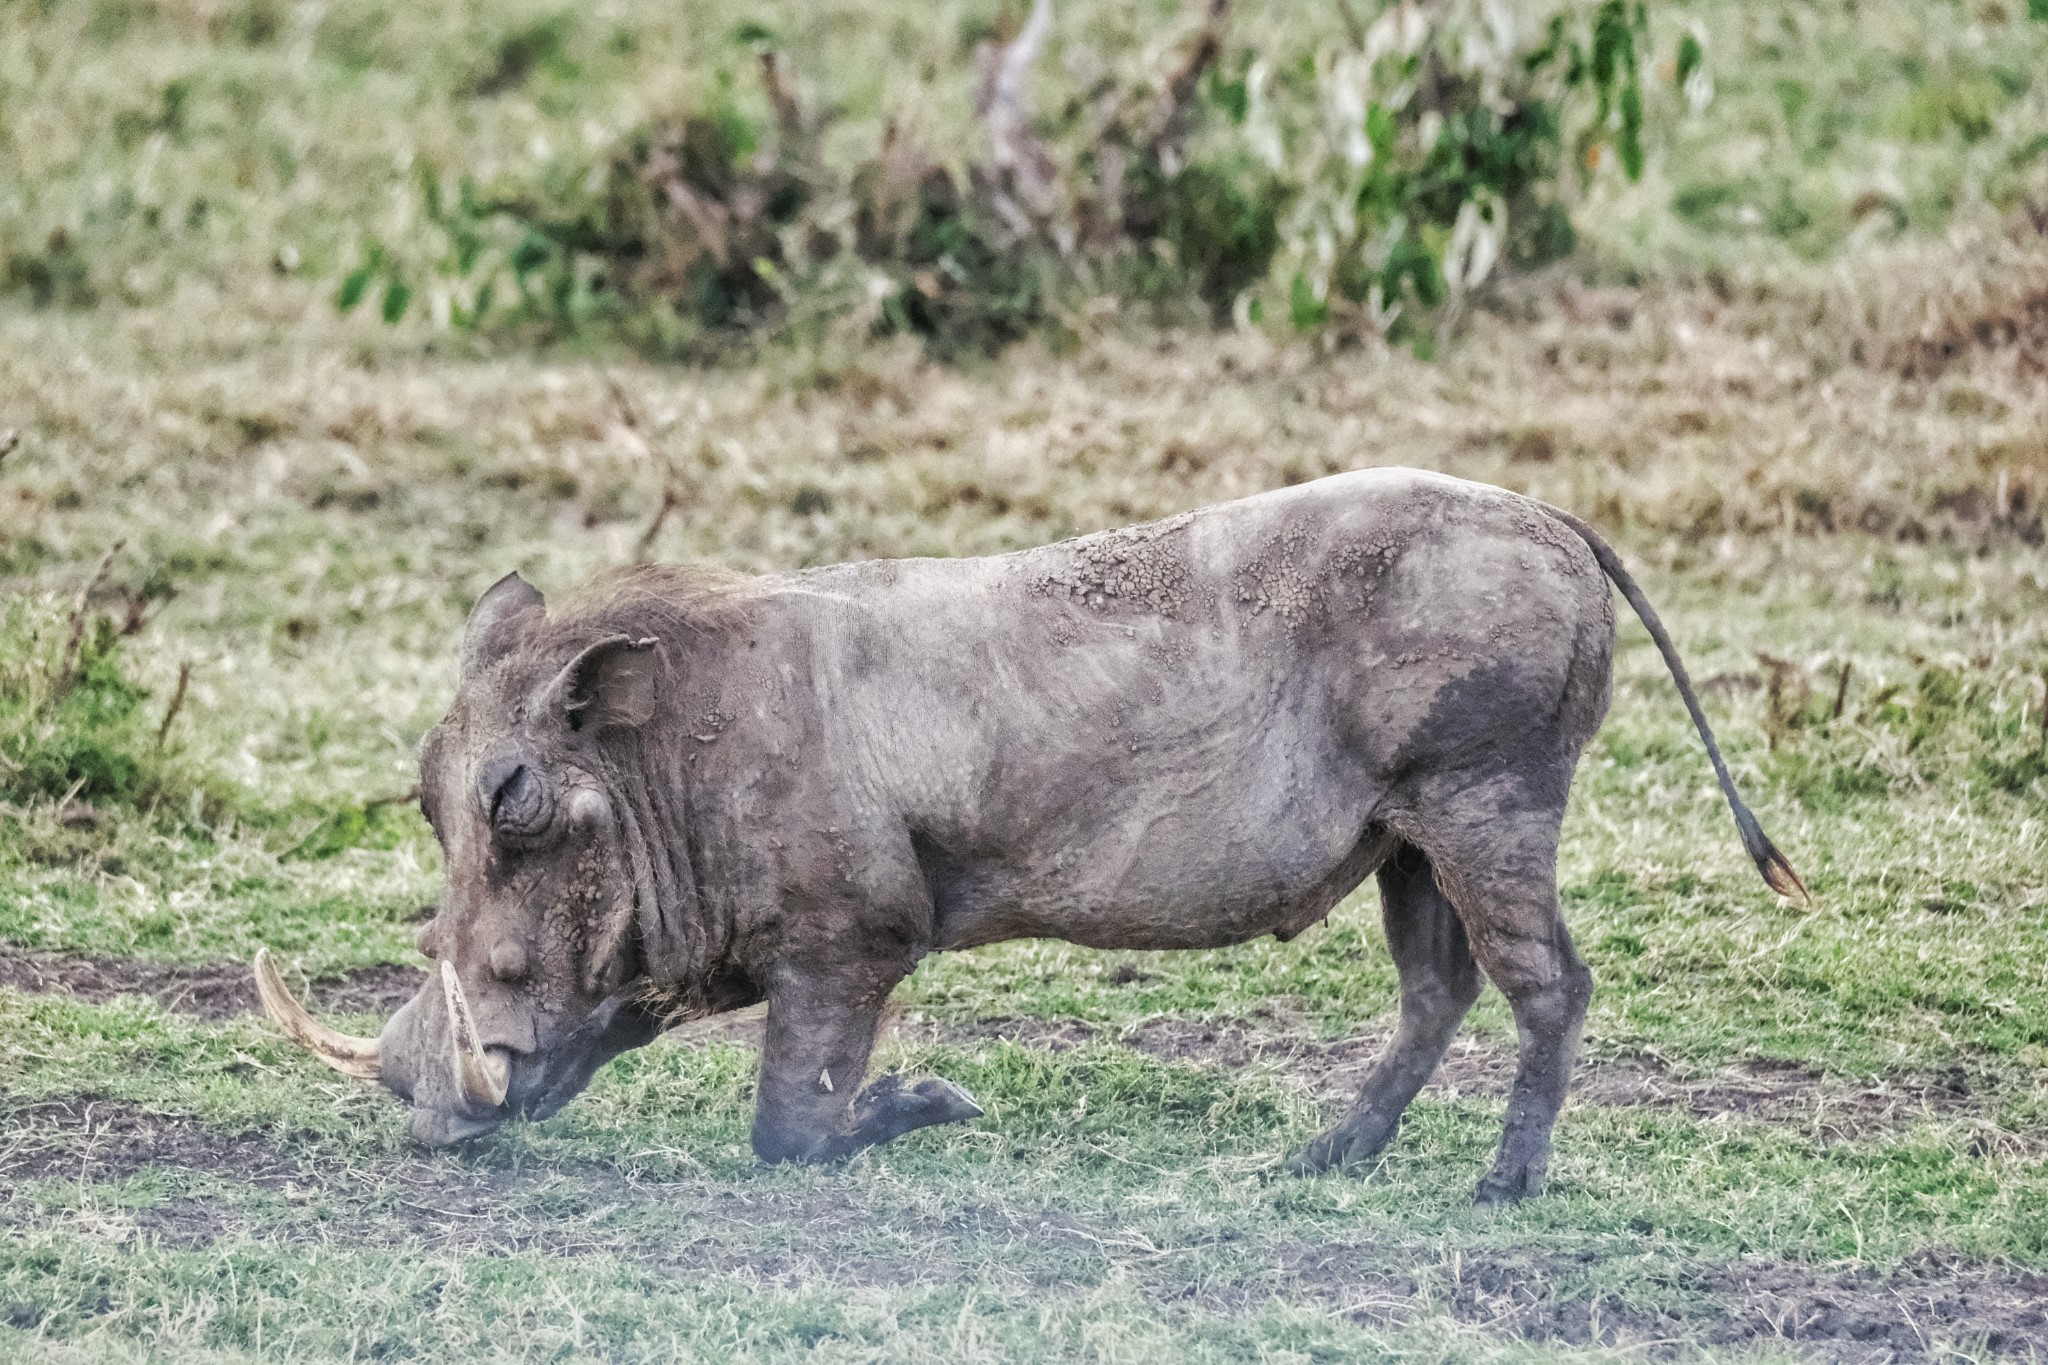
[347, 1054]
[482, 1078]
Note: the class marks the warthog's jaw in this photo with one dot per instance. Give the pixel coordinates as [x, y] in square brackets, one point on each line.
[438, 1128]
[620, 1023]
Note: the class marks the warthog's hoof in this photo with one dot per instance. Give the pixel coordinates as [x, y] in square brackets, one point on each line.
[1511, 1185]
[950, 1101]
[889, 1108]
[1344, 1148]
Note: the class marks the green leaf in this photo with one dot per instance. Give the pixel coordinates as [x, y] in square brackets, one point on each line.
[353, 287]
[531, 254]
[1690, 55]
[2038, 9]
[1630, 143]
[430, 190]
[1553, 43]
[397, 296]
[1232, 97]
[1303, 306]
[1610, 31]
[468, 246]
[358, 280]
[1379, 131]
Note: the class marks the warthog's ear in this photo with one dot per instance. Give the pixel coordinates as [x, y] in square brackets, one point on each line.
[610, 683]
[498, 619]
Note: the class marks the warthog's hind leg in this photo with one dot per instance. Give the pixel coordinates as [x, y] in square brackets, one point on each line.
[811, 1105]
[1502, 875]
[1439, 982]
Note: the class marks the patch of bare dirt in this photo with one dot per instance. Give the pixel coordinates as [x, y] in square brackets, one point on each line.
[1532, 1295]
[464, 1203]
[91, 1140]
[210, 990]
[95, 1140]
[1869, 1316]
[1909, 1314]
[1527, 1296]
[1775, 1091]
[1764, 1090]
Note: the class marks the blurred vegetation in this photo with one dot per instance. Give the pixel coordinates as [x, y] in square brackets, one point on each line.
[556, 172]
[1359, 181]
[72, 721]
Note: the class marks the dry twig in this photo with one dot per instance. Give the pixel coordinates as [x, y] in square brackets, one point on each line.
[671, 495]
[177, 700]
[1783, 709]
[789, 111]
[1170, 120]
[669, 502]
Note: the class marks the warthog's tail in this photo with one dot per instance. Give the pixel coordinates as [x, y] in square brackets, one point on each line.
[1771, 863]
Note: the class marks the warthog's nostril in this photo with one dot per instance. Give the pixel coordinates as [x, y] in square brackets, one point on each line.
[508, 960]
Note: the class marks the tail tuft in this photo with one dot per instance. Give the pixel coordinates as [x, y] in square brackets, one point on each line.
[1777, 870]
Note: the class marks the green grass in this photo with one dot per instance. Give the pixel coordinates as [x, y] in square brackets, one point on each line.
[1794, 1124]
[1115, 1205]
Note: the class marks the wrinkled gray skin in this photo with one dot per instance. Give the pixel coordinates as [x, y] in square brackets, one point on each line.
[701, 792]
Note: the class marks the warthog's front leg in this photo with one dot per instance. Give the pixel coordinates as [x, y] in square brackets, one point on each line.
[812, 1106]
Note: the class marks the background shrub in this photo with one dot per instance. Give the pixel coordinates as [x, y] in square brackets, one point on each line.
[1366, 186]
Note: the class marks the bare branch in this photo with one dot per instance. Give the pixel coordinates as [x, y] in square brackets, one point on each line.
[1023, 184]
[629, 414]
[669, 502]
[789, 112]
[671, 494]
[1354, 27]
[707, 217]
[177, 700]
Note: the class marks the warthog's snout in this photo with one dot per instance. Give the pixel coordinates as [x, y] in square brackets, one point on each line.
[429, 1054]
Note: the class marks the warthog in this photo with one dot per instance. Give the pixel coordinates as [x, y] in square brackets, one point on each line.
[686, 792]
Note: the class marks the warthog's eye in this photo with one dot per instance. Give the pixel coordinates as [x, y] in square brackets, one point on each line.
[519, 800]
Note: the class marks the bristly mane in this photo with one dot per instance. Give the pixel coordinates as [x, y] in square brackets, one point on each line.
[683, 935]
[650, 599]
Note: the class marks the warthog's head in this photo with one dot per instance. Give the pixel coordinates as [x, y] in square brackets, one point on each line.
[536, 940]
